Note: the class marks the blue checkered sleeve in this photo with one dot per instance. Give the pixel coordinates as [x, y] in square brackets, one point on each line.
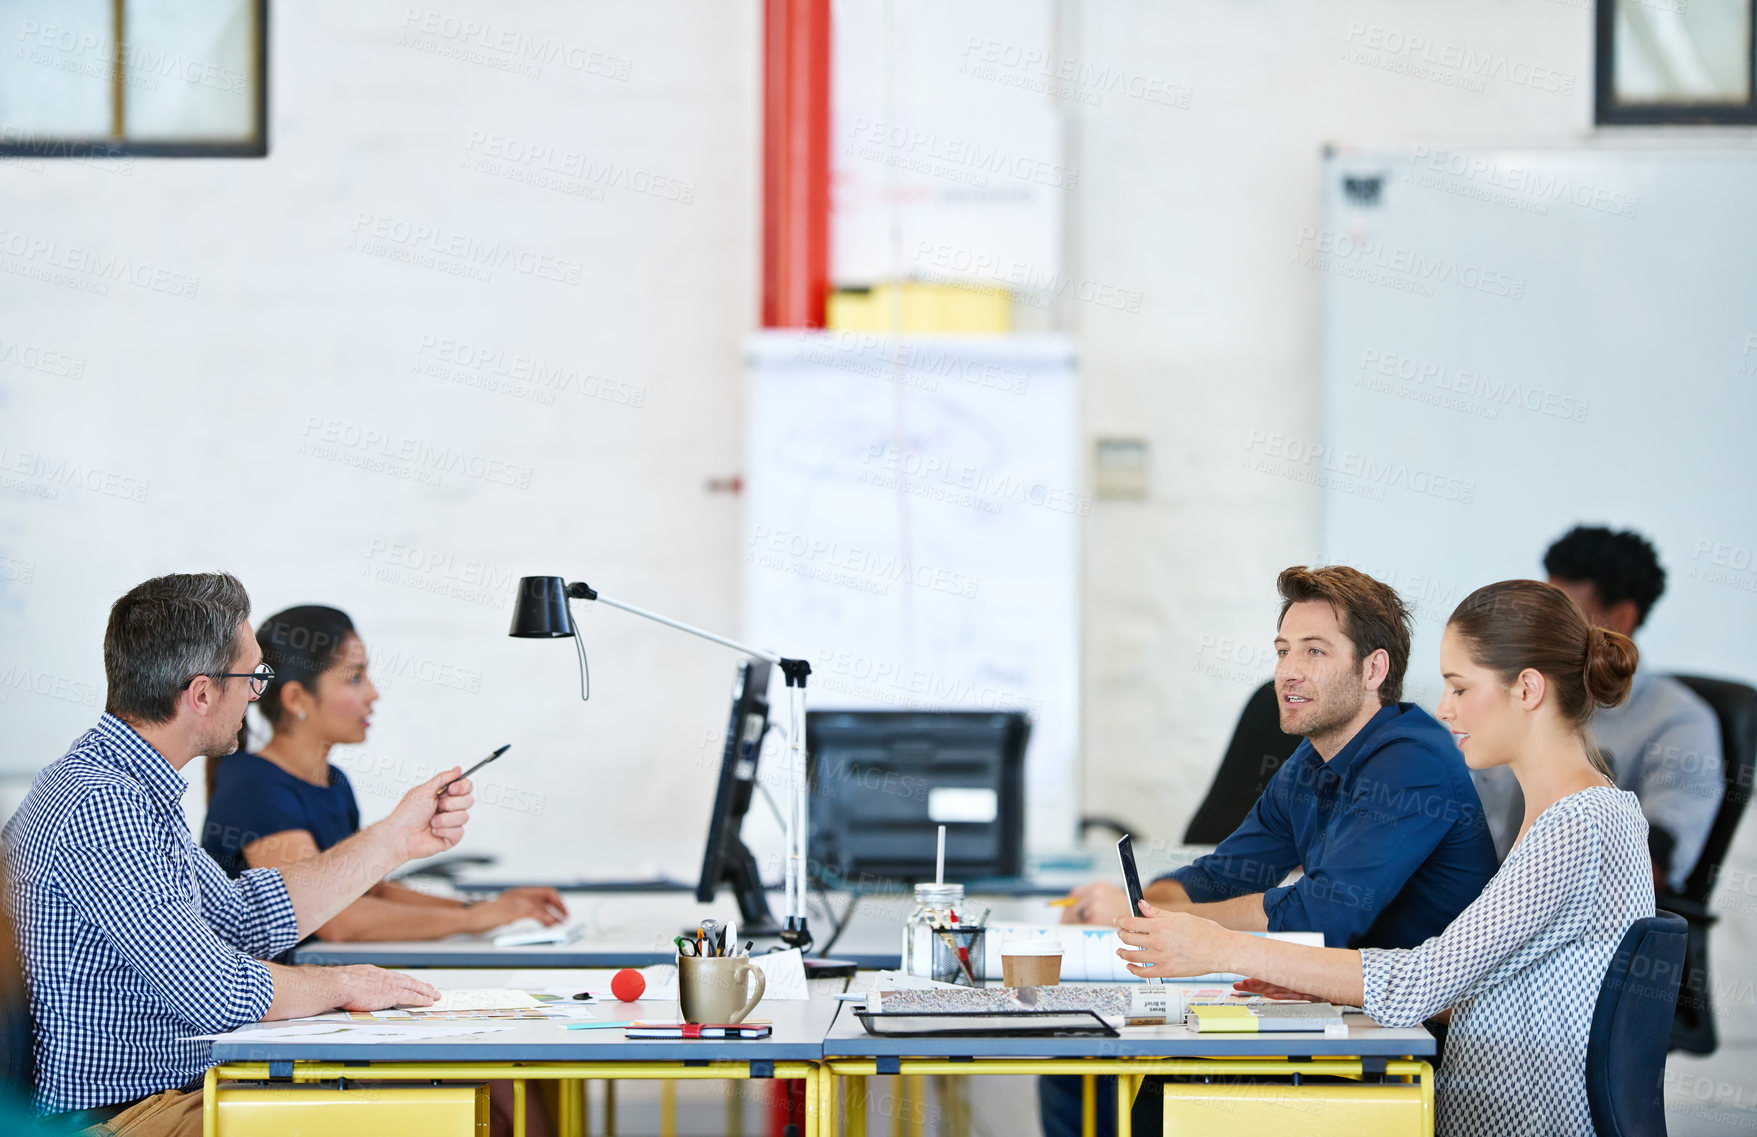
[252, 913]
[147, 901]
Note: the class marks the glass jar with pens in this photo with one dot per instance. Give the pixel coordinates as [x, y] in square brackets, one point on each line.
[937, 943]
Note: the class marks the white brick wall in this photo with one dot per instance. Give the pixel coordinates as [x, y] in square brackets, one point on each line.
[1197, 207]
[306, 348]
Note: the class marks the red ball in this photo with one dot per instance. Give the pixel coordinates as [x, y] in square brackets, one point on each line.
[628, 984]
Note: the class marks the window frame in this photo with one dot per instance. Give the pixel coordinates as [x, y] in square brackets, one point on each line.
[68, 146]
[1607, 111]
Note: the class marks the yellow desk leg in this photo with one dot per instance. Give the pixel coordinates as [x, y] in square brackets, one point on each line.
[570, 1114]
[518, 1107]
[210, 1103]
[1126, 1084]
[916, 1086]
[828, 1123]
[1088, 1105]
[899, 1104]
[734, 1121]
[854, 1104]
[813, 1113]
[610, 1107]
[668, 1109]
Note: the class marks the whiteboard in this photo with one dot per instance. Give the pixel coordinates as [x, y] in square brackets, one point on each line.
[1519, 341]
[911, 527]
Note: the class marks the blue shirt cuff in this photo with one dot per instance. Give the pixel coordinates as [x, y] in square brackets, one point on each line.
[1273, 902]
[1203, 889]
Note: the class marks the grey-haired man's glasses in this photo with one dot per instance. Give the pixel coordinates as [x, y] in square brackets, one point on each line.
[259, 679]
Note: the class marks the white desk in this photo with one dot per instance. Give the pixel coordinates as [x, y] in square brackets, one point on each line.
[633, 929]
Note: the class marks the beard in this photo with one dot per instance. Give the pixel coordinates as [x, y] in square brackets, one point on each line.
[1322, 718]
[1333, 706]
[219, 745]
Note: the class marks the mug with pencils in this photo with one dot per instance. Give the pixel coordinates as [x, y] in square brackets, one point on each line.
[714, 980]
[718, 989]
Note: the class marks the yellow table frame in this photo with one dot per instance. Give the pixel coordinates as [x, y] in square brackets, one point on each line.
[853, 1072]
[570, 1120]
[823, 1104]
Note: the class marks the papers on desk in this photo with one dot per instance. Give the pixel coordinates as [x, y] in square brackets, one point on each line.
[783, 975]
[478, 999]
[328, 1029]
[1089, 950]
[473, 1003]
[554, 984]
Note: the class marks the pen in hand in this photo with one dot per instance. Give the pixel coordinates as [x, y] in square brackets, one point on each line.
[473, 769]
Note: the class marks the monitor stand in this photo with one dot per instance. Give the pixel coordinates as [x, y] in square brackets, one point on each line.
[755, 920]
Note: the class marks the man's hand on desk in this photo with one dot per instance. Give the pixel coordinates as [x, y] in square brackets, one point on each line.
[307, 990]
[543, 905]
[362, 987]
[1096, 903]
[1100, 903]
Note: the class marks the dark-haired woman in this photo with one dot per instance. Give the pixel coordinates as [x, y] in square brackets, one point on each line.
[286, 803]
[1519, 969]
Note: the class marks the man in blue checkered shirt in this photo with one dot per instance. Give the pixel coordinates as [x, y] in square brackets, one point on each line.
[133, 939]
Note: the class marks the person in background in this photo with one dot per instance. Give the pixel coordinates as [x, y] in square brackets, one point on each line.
[1663, 744]
[286, 803]
[1376, 805]
[1524, 671]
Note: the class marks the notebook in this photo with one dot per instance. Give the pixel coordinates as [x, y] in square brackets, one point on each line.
[1235, 1018]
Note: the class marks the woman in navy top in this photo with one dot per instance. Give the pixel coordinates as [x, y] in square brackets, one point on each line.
[286, 803]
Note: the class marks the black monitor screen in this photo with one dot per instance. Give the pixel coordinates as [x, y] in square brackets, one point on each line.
[882, 782]
[726, 858]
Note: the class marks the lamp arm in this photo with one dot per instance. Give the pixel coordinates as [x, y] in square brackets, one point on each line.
[703, 633]
[797, 932]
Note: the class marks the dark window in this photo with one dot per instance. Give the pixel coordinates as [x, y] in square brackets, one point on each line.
[172, 78]
[1675, 61]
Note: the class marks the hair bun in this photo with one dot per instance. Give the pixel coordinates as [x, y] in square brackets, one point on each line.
[1610, 666]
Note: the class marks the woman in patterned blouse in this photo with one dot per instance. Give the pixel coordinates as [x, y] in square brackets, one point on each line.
[1519, 969]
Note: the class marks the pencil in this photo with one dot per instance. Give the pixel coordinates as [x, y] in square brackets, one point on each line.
[1062, 902]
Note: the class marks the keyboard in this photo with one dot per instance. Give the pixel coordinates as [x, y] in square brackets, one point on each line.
[529, 933]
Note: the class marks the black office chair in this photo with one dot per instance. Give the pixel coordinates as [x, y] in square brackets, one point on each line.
[1258, 749]
[1735, 705]
[1625, 1053]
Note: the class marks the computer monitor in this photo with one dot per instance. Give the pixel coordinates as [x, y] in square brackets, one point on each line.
[882, 782]
[726, 858]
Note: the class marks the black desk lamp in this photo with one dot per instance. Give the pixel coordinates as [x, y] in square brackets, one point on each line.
[542, 612]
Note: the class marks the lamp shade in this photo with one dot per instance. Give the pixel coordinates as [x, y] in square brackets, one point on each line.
[541, 609]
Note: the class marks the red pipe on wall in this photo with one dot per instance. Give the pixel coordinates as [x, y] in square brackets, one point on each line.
[796, 162]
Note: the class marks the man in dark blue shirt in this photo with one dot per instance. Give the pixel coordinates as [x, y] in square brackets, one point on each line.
[1376, 806]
